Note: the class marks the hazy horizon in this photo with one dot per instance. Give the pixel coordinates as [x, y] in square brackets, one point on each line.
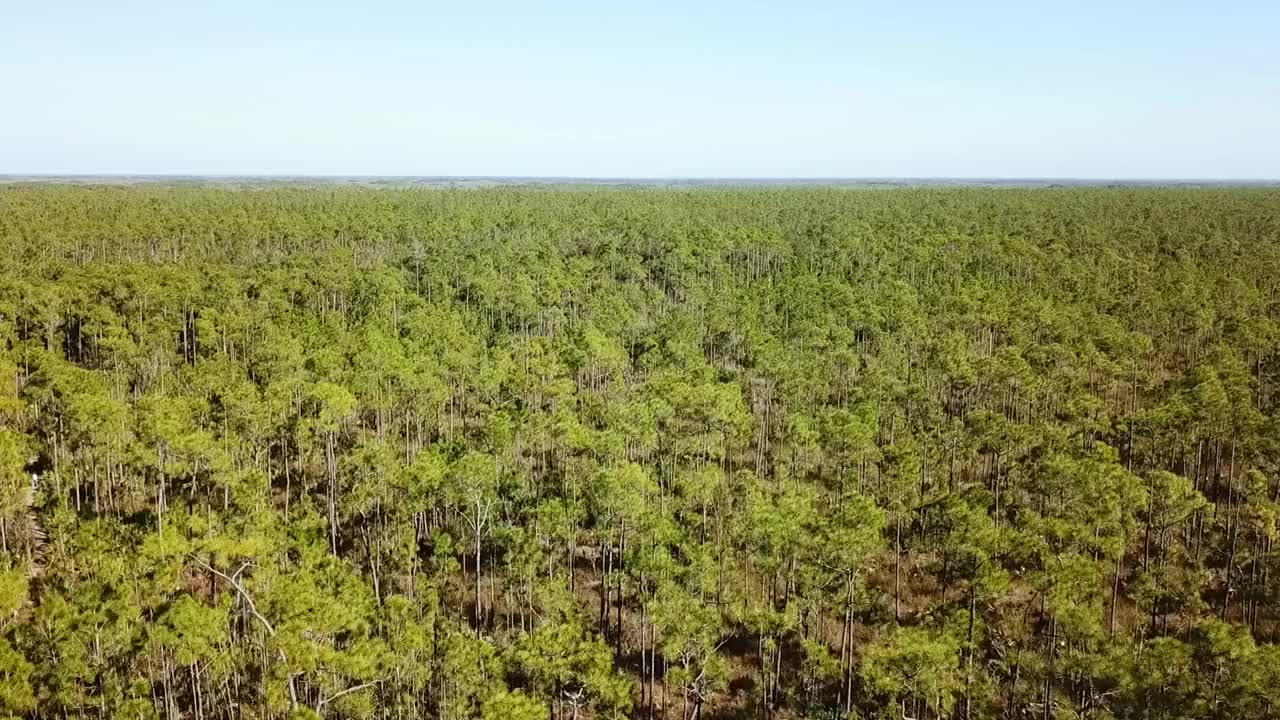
[392, 179]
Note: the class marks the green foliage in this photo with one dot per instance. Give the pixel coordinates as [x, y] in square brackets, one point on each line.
[332, 452]
[915, 666]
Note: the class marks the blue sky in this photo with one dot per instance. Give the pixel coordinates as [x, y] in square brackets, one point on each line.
[643, 89]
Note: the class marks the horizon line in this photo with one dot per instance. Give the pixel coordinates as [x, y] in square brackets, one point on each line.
[10, 176]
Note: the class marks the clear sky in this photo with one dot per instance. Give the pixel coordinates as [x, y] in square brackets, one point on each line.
[702, 88]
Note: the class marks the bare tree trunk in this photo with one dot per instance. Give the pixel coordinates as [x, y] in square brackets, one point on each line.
[331, 469]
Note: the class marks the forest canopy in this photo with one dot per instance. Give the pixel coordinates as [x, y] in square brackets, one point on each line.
[555, 453]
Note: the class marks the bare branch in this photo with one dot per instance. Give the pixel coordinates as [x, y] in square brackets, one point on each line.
[248, 599]
[348, 691]
[253, 608]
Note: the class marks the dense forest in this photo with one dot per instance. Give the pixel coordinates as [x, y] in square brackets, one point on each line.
[570, 454]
